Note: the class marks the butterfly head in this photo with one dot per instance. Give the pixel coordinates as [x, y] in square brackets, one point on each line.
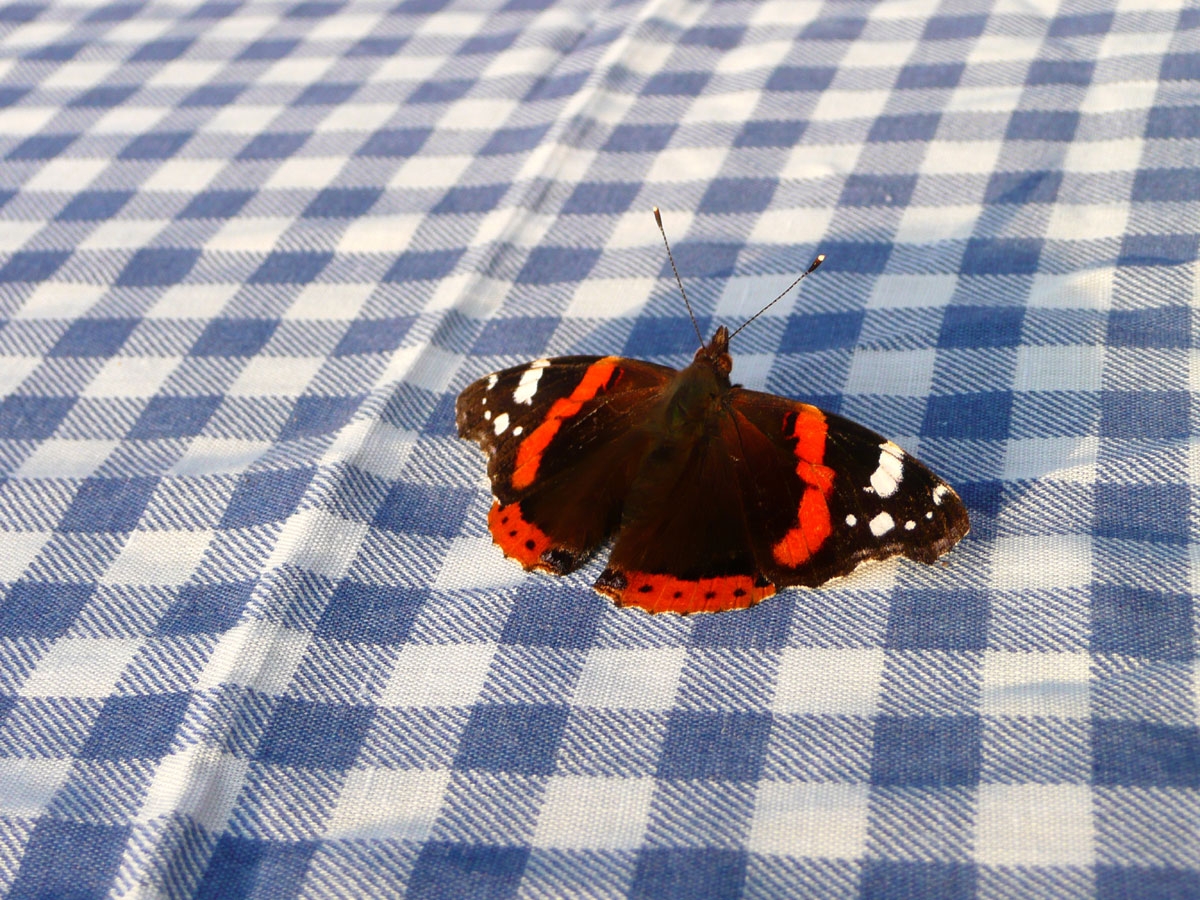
[716, 352]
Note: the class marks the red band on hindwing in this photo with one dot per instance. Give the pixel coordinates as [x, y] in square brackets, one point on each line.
[519, 539]
[812, 526]
[664, 593]
[529, 454]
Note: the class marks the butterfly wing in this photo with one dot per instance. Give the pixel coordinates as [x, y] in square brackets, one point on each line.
[853, 495]
[562, 448]
[776, 493]
[685, 542]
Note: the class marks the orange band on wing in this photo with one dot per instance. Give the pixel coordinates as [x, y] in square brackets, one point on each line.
[664, 593]
[812, 526]
[519, 539]
[529, 454]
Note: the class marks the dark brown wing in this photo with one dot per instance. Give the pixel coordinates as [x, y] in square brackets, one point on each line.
[854, 494]
[686, 542]
[562, 450]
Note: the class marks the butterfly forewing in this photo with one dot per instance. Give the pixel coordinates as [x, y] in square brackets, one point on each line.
[862, 497]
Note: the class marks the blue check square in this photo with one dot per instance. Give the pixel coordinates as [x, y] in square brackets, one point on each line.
[681, 873]
[927, 751]
[75, 860]
[262, 497]
[41, 609]
[174, 417]
[313, 735]
[512, 738]
[140, 726]
[728, 746]
[108, 504]
[206, 608]
[1145, 754]
[243, 868]
[477, 872]
[369, 613]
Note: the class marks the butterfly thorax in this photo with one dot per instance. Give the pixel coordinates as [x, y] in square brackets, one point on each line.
[695, 397]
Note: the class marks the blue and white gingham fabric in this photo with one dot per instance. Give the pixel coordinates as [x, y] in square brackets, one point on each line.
[255, 641]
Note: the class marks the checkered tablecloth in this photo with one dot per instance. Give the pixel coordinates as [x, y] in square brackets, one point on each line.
[255, 641]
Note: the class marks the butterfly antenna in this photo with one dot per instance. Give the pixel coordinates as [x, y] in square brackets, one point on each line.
[678, 280]
[811, 268]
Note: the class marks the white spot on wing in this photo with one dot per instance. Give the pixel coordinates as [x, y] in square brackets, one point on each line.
[851, 521]
[517, 431]
[887, 477]
[527, 386]
[501, 423]
[939, 494]
[883, 483]
[492, 379]
[929, 515]
[487, 414]
[881, 524]
[539, 364]
[910, 525]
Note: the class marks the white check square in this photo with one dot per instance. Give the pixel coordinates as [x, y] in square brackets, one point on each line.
[255, 654]
[594, 813]
[81, 667]
[1071, 367]
[249, 235]
[686, 164]
[1046, 684]
[960, 157]
[1089, 289]
[20, 549]
[66, 175]
[430, 171]
[475, 563]
[300, 172]
[1019, 562]
[131, 376]
[904, 373]
[931, 224]
[816, 820]
[199, 782]
[59, 300]
[1070, 459]
[276, 376]
[829, 681]
[477, 112]
[158, 557]
[66, 458]
[28, 785]
[839, 105]
[391, 804]
[1034, 825]
[1087, 222]
[320, 542]
[438, 675]
[630, 678]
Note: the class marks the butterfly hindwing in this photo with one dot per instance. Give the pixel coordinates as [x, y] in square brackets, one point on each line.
[686, 538]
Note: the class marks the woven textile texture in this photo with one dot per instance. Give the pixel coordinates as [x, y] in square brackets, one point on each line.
[255, 640]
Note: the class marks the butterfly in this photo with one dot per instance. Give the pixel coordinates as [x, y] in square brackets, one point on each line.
[715, 496]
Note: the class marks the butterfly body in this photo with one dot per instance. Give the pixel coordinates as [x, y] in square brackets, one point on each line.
[715, 495]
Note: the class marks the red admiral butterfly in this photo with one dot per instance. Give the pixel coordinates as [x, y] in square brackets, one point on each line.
[716, 495]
